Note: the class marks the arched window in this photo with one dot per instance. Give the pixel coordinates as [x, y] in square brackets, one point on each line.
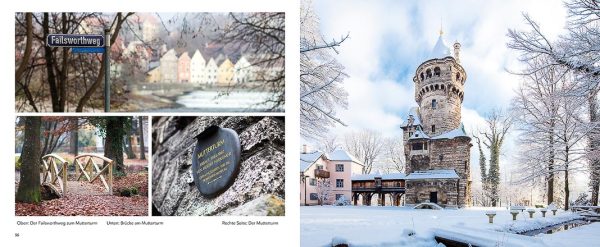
[422, 77]
[428, 72]
[457, 76]
[433, 104]
[437, 71]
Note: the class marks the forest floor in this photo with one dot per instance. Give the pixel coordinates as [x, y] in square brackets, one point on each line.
[91, 199]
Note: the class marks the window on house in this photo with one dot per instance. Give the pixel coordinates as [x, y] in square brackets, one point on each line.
[339, 167]
[433, 104]
[319, 167]
[417, 146]
[312, 182]
[410, 134]
[314, 196]
[433, 128]
[339, 183]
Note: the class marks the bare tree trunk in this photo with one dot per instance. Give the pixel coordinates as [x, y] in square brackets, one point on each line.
[74, 136]
[141, 134]
[29, 184]
[50, 66]
[551, 167]
[593, 145]
[567, 177]
[113, 145]
[28, 44]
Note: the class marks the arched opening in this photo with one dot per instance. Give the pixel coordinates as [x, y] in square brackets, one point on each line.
[443, 87]
[422, 77]
[437, 71]
[428, 72]
[437, 87]
[457, 76]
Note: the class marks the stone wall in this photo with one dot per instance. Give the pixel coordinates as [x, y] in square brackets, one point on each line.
[443, 154]
[259, 188]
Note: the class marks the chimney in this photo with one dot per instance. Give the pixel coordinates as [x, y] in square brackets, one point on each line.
[304, 148]
[456, 51]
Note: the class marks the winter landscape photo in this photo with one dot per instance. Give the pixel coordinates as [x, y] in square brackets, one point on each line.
[449, 123]
[149, 62]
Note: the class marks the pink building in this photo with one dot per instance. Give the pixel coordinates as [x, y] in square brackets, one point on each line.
[183, 68]
[327, 176]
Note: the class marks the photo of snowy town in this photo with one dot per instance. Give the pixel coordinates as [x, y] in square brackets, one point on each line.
[165, 62]
[449, 123]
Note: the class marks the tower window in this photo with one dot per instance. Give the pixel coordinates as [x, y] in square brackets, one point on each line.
[437, 71]
[428, 72]
[441, 157]
[457, 76]
[422, 77]
[433, 104]
[433, 128]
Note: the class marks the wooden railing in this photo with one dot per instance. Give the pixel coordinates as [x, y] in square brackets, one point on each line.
[54, 173]
[86, 167]
[321, 173]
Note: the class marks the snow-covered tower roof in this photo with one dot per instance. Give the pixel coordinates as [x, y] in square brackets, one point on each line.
[441, 49]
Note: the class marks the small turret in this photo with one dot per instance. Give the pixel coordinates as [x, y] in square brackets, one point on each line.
[456, 51]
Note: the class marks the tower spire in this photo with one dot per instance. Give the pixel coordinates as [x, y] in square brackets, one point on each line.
[441, 27]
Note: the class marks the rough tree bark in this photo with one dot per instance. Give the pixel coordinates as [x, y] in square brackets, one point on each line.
[74, 137]
[29, 185]
[113, 144]
[141, 134]
[259, 188]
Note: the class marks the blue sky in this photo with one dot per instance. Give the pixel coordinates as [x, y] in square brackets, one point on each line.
[389, 39]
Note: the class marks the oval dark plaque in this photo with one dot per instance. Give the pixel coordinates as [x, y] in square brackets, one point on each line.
[216, 160]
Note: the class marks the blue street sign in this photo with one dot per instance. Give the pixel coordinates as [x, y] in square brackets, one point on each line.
[75, 40]
[87, 50]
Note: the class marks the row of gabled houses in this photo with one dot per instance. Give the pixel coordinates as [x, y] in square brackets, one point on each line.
[220, 71]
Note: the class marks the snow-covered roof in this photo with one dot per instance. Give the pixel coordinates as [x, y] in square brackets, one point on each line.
[440, 50]
[342, 155]
[307, 159]
[419, 134]
[432, 174]
[458, 132]
[414, 113]
[391, 176]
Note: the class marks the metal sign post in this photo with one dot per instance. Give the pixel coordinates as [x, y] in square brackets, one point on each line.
[87, 43]
[107, 70]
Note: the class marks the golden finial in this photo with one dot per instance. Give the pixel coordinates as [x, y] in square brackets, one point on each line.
[441, 27]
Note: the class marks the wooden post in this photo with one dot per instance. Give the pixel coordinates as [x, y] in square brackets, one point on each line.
[110, 178]
[77, 171]
[64, 177]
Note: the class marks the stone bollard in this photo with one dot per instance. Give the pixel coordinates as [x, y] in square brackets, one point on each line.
[543, 210]
[531, 211]
[554, 211]
[491, 215]
[514, 213]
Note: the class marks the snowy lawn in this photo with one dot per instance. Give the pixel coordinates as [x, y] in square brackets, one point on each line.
[392, 226]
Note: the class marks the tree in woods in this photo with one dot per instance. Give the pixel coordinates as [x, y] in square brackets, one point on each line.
[492, 138]
[74, 137]
[113, 129]
[29, 185]
[321, 77]
[141, 135]
[579, 52]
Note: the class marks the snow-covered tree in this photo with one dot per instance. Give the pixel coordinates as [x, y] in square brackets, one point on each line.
[492, 137]
[323, 190]
[366, 145]
[321, 77]
[577, 51]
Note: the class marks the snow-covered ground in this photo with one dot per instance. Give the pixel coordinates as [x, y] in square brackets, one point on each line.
[393, 226]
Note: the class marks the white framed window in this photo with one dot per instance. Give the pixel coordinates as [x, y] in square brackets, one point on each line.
[339, 167]
[339, 183]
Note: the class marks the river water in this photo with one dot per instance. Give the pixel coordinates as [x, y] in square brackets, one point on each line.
[235, 101]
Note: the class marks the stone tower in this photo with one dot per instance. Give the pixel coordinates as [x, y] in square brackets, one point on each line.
[439, 89]
[437, 148]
